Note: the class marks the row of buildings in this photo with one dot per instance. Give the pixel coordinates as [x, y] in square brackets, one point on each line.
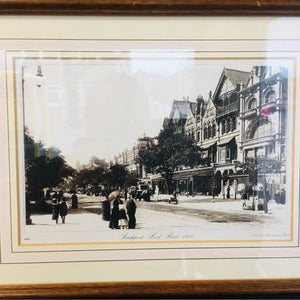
[243, 120]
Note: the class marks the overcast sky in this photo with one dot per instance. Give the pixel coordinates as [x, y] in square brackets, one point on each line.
[101, 107]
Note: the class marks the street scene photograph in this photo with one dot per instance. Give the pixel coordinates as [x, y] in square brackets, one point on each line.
[149, 149]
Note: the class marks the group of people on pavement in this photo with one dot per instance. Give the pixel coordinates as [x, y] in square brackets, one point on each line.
[262, 193]
[60, 207]
[121, 215]
[138, 194]
[280, 196]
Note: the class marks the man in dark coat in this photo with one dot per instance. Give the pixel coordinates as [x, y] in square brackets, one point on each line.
[106, 209]
[282, 196]
[74, 201]
[131, 209]
[63, 209]
[114, 217]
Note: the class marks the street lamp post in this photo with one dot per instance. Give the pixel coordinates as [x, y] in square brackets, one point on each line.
[36, 143]
[27, 199]
[265, 193]
[39, 74]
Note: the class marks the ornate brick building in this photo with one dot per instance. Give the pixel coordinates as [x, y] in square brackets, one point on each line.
[244, 118]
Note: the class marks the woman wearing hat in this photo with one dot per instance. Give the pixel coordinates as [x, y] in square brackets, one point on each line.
[63, 209]
[55, 209]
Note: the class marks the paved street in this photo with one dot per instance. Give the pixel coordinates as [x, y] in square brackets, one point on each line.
[197, 217]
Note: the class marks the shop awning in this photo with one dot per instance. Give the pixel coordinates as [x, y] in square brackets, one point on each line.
[157, 177]
[187, 174]
[226, 140]
[208, 145]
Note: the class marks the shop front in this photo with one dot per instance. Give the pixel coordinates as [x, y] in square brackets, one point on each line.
[194, 181]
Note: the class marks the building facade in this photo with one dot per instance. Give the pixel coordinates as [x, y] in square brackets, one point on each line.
[129, 157]
[244, 118]
[242, 121]
[263, 115]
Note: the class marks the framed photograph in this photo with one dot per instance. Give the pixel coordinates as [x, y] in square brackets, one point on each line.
[141, 162]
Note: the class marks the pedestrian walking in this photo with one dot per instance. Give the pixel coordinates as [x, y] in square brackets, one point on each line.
[228, 192]
[114, 217]
[260, 193]
[63, 209]
[156, 191]
[139, 195]
[282, 196]
[277, 196]
[267, 195]
[74, 201]
[106, 209]
[244, 195]
[173, 198]
[123, 222]
[131, 210]
[55, 209]
[147, 195]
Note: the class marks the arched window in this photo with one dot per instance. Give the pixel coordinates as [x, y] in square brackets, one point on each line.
[198, 136]
[205, 133]
[252, 103]
[209, 131]
[228, 127]
[270, 96]
[223, 126]
[233, 123]
[213, 133]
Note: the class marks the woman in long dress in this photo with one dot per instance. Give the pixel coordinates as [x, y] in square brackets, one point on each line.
[131, 209]
[63, 210]
[55, 209]
[114, 217]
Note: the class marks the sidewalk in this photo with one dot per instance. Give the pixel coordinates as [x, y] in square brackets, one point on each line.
[200, 202]
[199, 215]
[219, 204]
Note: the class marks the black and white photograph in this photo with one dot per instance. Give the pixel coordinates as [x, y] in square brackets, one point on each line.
[148, 148]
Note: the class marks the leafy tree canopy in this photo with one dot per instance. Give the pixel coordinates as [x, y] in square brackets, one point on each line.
[117, 175]
[171, 151]
[43, 170]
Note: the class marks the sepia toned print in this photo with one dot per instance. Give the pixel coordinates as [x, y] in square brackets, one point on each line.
[155, 151]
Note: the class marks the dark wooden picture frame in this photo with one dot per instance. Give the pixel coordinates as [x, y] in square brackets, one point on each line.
[154, 289]
[155, 8]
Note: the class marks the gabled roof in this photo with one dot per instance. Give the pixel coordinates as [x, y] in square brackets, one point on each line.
[234, 76]
[183, 108]
[210, 105]
[237, 77]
